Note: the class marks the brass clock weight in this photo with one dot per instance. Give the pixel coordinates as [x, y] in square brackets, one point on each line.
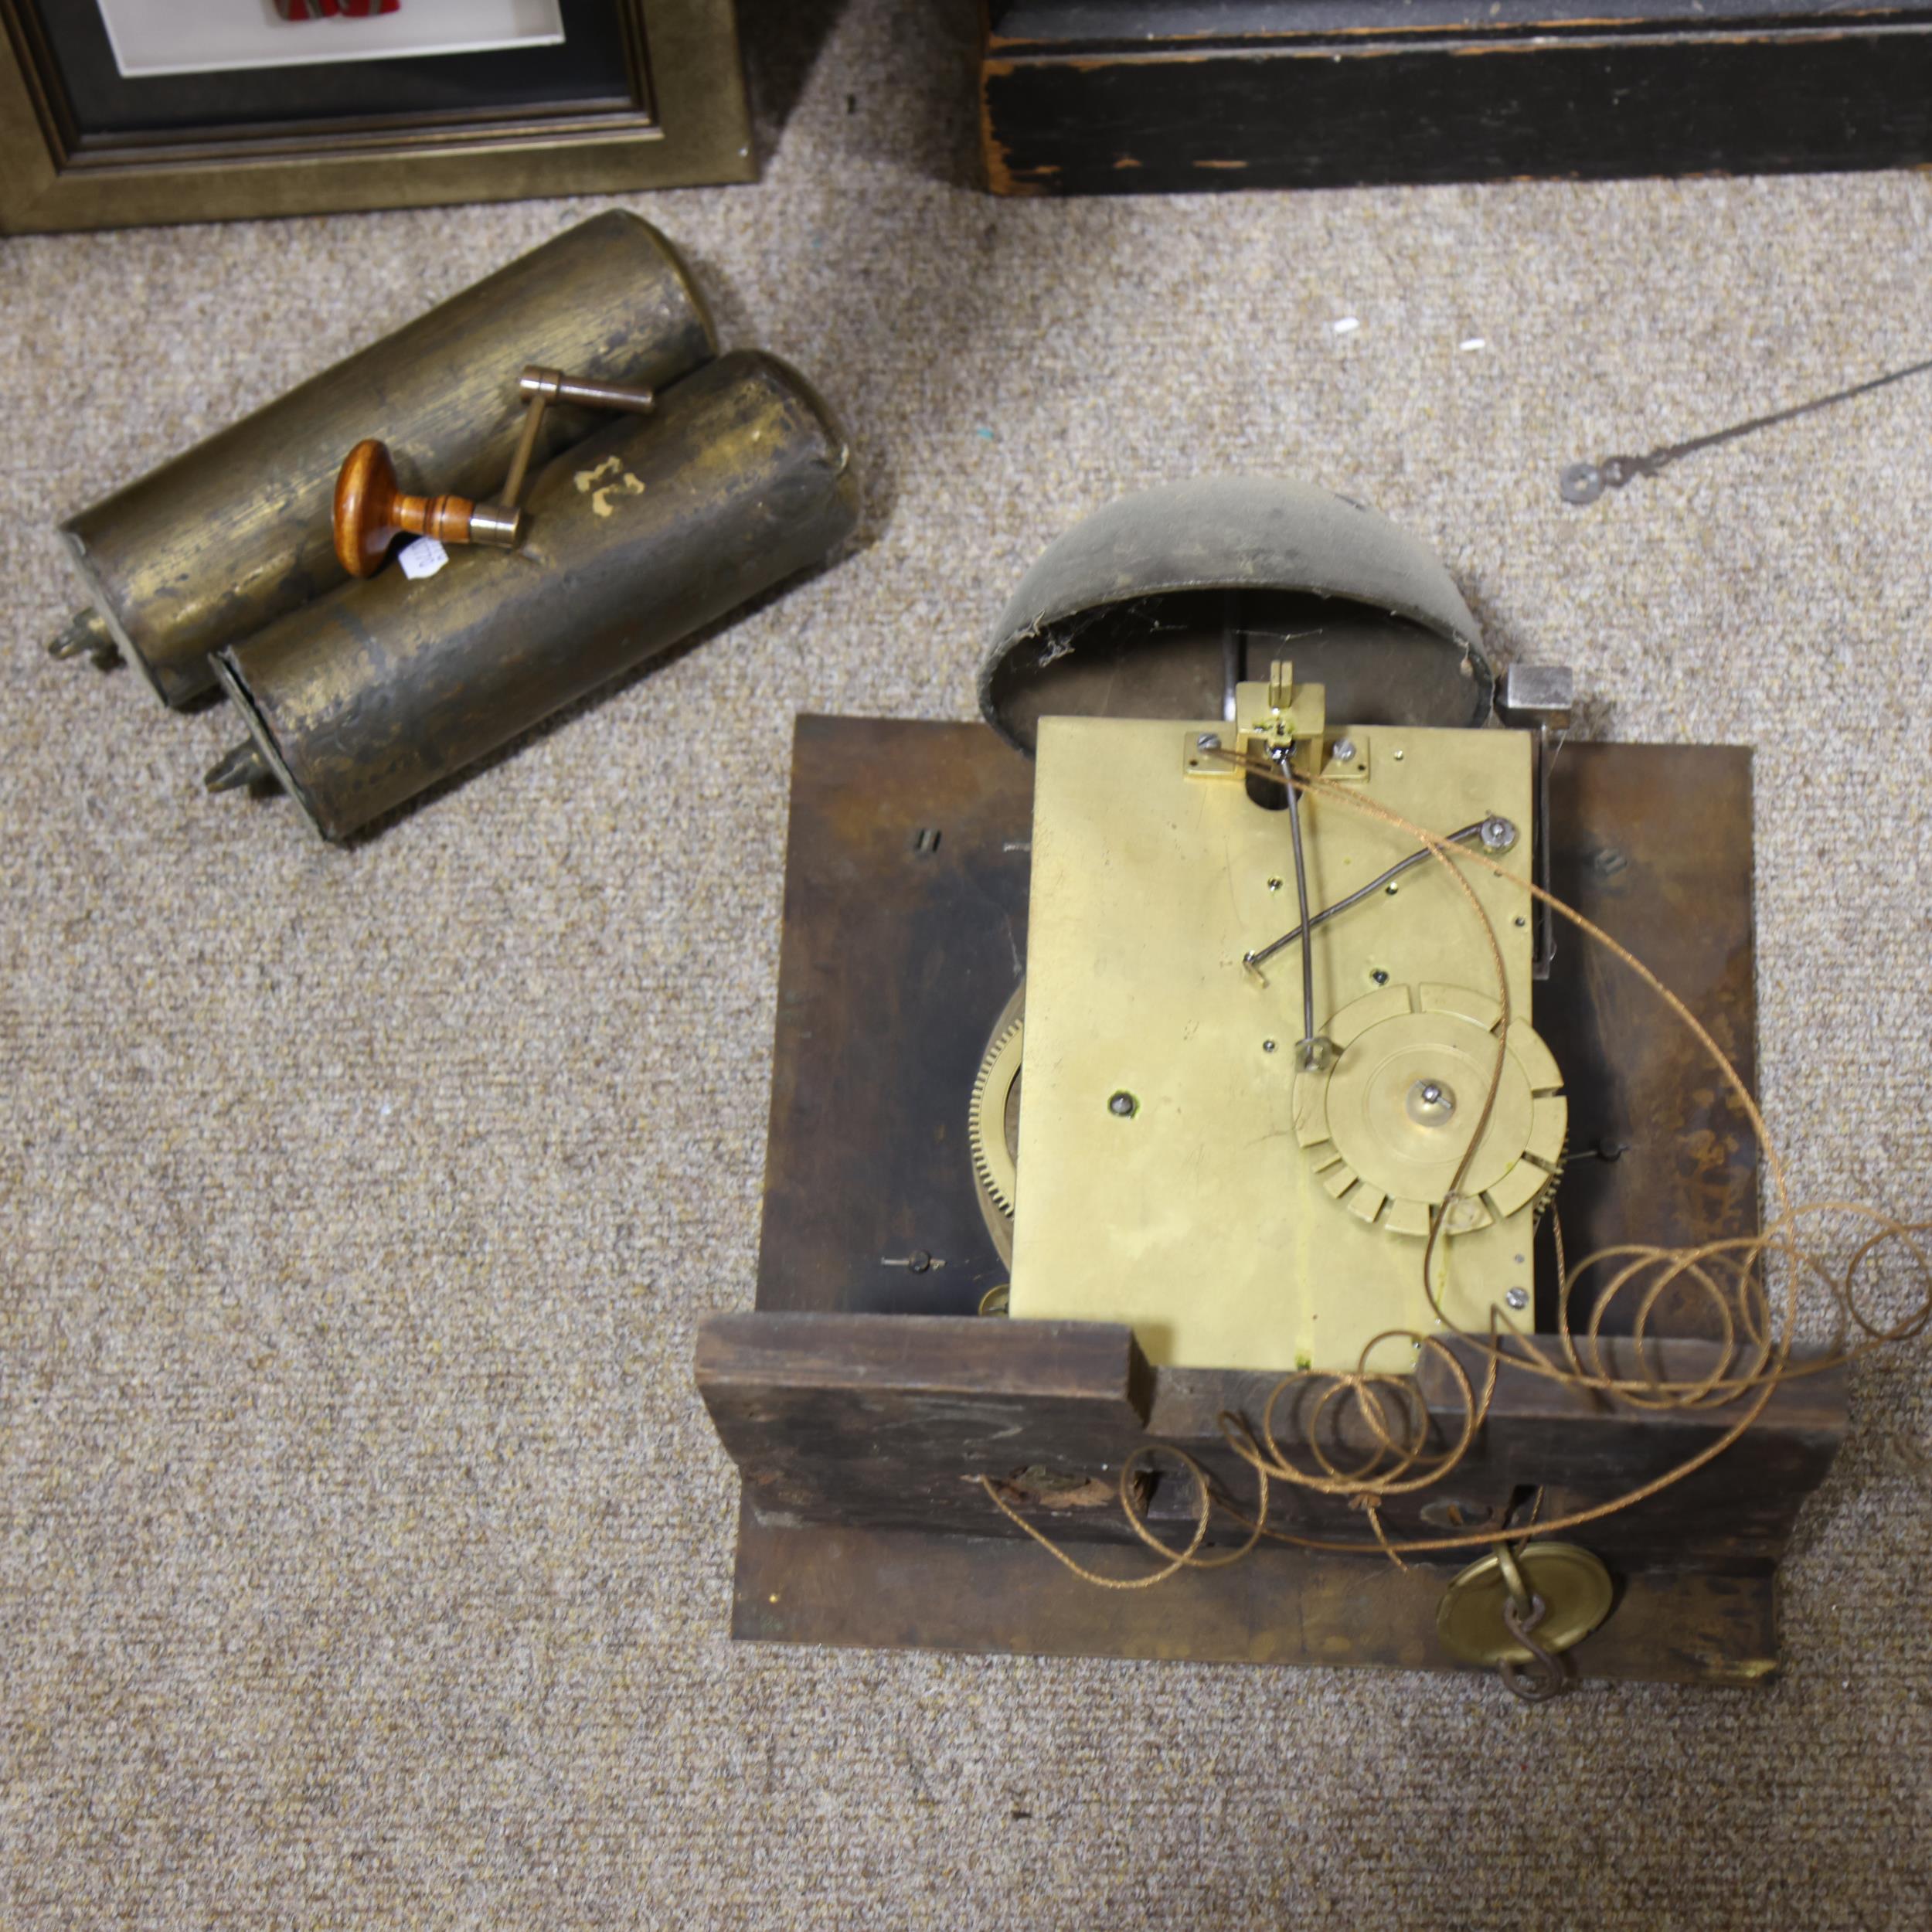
[661, 521]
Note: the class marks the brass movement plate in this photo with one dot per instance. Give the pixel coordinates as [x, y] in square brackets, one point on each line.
[1194, 1210]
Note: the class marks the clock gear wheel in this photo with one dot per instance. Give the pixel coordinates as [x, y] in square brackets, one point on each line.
[992, 1125]
[1387, 1123]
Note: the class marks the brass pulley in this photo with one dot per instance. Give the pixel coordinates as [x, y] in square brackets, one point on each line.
[1521, 1609]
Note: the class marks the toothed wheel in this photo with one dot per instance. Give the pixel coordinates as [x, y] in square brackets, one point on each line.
[1388, 1124]
[992, 1126]
[993, 1160]
[1540, 1207]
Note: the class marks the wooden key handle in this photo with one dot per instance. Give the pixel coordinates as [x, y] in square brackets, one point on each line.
[371, 513]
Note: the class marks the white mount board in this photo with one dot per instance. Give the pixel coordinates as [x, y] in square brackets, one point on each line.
[154, 37]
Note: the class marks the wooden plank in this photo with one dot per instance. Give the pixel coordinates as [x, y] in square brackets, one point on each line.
[1146, 97]
[1583, 1449]
[1657, 1140]
[1126, 26]
[896, 961]
[948, 1358]
[891, 1421]
[888, 1419]
[910, 1590]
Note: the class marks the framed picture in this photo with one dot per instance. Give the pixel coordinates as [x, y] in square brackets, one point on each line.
[222, 36]
[115, 113]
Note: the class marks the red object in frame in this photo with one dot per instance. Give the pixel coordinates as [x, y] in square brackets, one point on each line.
[334, 9]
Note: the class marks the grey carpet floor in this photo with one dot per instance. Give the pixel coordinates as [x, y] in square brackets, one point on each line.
[365, 1553]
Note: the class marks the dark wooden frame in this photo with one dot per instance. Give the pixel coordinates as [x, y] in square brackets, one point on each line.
[858, 1437]
[863, 1398]
[687, 121]
[1113, 97]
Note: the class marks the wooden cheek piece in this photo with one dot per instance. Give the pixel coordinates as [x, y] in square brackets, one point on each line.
[371, 513]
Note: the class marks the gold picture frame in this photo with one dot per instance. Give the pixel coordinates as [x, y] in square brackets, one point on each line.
[686, 121]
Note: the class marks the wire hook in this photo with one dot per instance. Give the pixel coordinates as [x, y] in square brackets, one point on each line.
[1543, 1677]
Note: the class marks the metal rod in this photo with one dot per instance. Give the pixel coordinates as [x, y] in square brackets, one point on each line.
[1281, 758]
[526, 445]
[1671, 451]
[1545, 950]
[1584, 482]
[1233, 652]
[1355, 898]
[245, 765]
[635, 397]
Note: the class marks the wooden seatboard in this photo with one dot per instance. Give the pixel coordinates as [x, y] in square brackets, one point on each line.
[906, 921]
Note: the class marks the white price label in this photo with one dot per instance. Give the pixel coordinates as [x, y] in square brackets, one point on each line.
[424, 557]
